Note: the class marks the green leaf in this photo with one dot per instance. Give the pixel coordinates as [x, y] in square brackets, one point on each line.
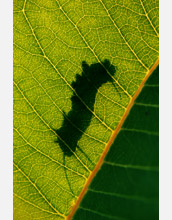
[83, 57]
[127, 186]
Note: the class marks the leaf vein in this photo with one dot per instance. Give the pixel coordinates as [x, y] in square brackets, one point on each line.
[38, 190]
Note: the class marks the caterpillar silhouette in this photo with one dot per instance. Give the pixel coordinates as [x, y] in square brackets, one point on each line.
[79, 117]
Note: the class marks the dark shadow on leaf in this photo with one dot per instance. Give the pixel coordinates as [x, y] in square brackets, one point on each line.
[79, 117]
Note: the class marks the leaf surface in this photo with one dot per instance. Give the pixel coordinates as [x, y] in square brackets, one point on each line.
[127, 185]
[52, 41]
